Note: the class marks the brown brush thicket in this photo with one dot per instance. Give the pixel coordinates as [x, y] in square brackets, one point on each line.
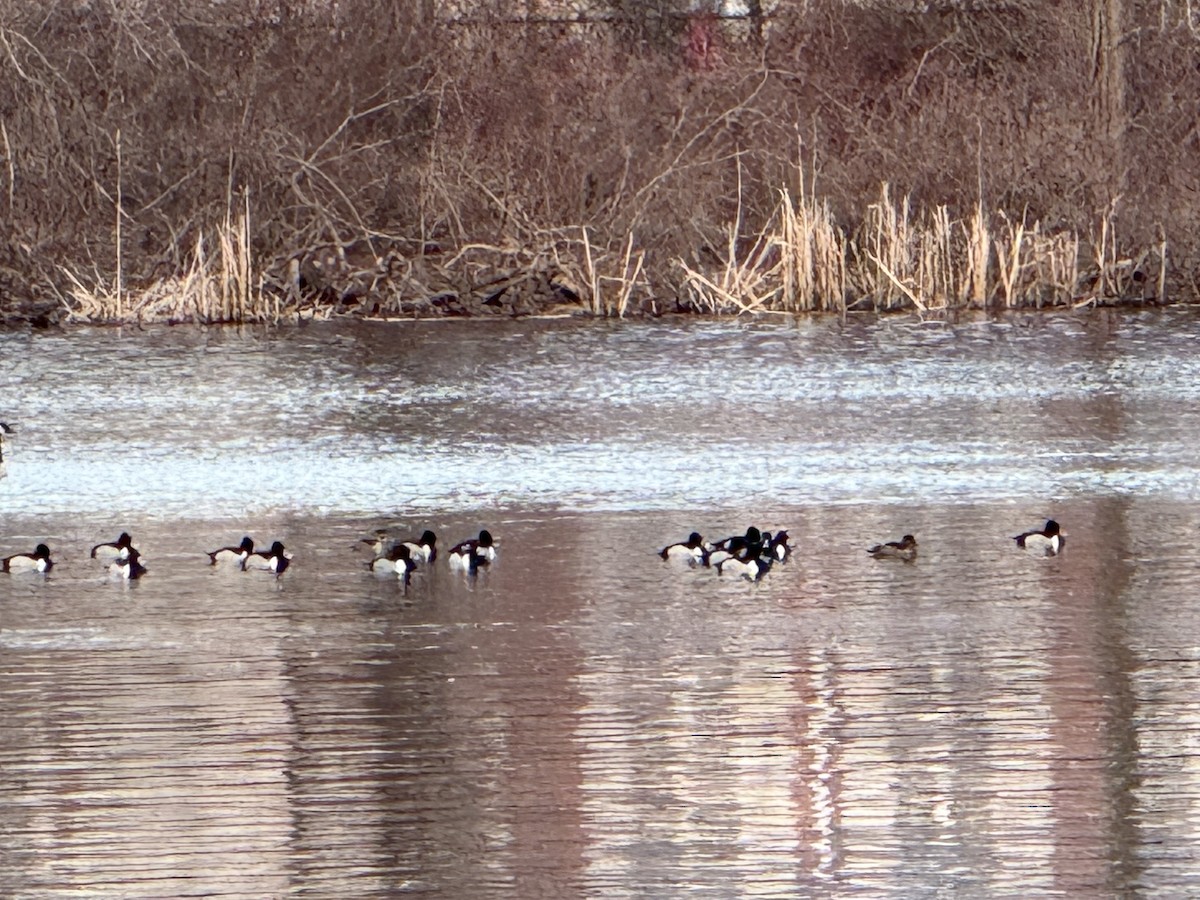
[254, 159]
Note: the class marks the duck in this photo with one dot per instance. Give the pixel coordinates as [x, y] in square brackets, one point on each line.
[381, 542]
[118, 549]
[1048, 542]
[127, 567]
[5, 428]
[474, 553]
[693, 551]
[753, 567]
[37, 561]
[398, 561]
[422, 549]
[273, 560]
[776, 546]
[905, 549]
[740, 546]
[236, 554]
[739, 542]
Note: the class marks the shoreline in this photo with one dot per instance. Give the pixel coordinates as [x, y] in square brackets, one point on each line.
[59, 315]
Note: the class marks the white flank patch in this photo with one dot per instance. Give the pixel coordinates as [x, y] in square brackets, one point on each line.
[460, 560]
[418, 552]
[678, 553]
[1039, 543]
[383, 566]
[718, 557]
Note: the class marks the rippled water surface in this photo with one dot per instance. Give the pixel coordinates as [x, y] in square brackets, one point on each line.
[582, 719]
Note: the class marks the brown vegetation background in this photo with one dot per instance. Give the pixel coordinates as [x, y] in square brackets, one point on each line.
[412, 157]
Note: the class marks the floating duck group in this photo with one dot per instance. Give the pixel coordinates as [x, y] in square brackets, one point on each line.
[752, 554]
[391, 557]
[402, 557]
[246, 558]
[123, 560]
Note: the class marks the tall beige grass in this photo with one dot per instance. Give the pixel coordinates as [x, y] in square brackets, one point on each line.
[1035, 268]
[800, 261]
[813, 255]
[797, 263]
[929, 261]
[611, 282]
[219, 284]
[743, 285]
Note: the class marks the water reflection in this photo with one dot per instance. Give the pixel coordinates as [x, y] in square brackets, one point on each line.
[581, 719]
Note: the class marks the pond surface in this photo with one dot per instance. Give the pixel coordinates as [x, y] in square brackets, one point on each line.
[581, 719]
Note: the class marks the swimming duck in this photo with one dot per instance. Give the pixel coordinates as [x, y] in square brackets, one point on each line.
[753, 566]
[37, 561]
[776, 546]
[235, 555]
[750, 552]
[423, 549]
[905, 549]
[5, 428]
[118, 549]
[739, 542]
[692, 551]
[273, 560]
[381, 542]
[474, 553]
[398, 561]
[740, 546]
[128, 566]
[1048, 542]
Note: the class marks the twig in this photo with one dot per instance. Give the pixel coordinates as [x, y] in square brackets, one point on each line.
[671, 168]
[118, 232]
[12, 167]
[896, 281]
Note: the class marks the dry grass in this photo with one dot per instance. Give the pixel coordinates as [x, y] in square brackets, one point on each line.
[802, 261]
[609, 294]
[930, 262]
[813, 272]
[746, 285]
[1034, 268]
[219, 284]
[797, 263]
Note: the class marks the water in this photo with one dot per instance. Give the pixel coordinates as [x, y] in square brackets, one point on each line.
[582, 719]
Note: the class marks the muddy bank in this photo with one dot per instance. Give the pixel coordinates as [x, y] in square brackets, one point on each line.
[513, 295]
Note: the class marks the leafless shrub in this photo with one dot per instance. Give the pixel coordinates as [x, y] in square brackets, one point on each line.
[371, 143]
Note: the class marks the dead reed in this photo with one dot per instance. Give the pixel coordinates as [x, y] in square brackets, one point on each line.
[800, 261]
[928, 261]
[609, 294]
[797, 263]
[220, 283]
